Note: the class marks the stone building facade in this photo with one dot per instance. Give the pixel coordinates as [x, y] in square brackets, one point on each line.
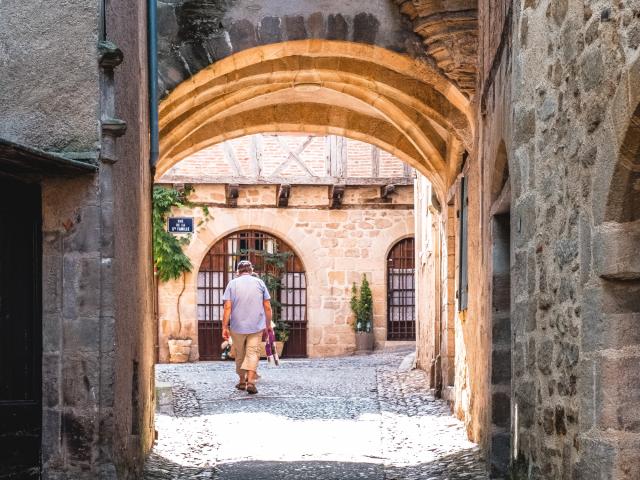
[523, 116]
[83, 182]
[557, 127]
[336, 243]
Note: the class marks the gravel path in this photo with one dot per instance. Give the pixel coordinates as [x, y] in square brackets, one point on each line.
[339, 418]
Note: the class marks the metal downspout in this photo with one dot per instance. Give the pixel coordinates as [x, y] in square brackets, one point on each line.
[152, 52]
[152, 67]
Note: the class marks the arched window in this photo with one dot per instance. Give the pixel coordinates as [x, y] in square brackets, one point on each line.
[401, 300]
[218, 268]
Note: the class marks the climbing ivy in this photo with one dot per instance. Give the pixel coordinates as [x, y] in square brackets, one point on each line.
[274, 268]
[169, 259]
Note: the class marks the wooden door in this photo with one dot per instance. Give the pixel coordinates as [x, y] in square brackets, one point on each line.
[218, 268]
[21, 327]
[401, 324]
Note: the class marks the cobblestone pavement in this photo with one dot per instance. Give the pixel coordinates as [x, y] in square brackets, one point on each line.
[340, 418]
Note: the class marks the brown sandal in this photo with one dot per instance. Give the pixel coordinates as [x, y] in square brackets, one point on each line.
[241, 386]
[251, 388]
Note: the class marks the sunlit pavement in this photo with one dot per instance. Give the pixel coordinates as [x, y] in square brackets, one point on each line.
[341, 418]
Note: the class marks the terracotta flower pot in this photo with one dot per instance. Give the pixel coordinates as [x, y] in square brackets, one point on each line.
[364, 342]
[179, 350]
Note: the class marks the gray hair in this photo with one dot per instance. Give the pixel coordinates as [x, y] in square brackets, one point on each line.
[244, 266]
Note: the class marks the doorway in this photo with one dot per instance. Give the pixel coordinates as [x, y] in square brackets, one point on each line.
[21, 326]
[401, 301]
[218, 268]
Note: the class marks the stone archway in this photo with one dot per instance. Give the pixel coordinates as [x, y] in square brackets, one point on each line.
[193, 34]
[359, 91]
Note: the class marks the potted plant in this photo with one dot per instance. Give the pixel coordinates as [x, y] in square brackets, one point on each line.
[362, 307]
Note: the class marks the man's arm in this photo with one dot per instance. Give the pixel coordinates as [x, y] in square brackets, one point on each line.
[225, 319]
[268, 313]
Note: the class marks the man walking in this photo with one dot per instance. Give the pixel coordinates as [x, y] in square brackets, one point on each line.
[247, 306]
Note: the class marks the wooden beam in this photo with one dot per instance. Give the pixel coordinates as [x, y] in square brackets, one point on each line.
[375, 161]
[407, 170]
[284, 191]
[256, 148]
[338, 156]
[291, 180]
[386, 191]
[230, 157]
[294, 156]
[232, 193]
[336, 193]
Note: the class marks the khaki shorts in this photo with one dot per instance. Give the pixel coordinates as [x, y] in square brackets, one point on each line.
[247, 349]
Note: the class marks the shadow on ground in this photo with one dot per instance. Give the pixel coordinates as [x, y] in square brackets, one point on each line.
[452, 467]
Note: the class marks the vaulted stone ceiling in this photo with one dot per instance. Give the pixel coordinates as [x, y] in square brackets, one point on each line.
[450, 32]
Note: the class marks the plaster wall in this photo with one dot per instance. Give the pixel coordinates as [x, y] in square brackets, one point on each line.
[336, 247]
[50, 95]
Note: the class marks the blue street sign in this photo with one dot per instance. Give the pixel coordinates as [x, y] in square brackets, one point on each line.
[180, 225]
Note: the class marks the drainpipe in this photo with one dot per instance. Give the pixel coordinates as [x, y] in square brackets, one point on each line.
[152, 67]
[152, 52]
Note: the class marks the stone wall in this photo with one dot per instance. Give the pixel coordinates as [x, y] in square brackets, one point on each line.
[134, 293]
[50, 95]
[336, 247]
[97, 401]
[574, 67]
[194, 35]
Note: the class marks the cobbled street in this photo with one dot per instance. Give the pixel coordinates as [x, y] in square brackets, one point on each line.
[340, 418]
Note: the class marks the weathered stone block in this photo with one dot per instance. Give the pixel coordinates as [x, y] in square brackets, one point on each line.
[78, 429]
[167, 26]
[80, 380]
[618, 393]
[316, 26]
[596, 460]
[524, 217]
[501, 329]
[365, 28]
[500, 409]
[294, 27]
[50, 380]
[243, 35]
[218, 47]
[500, 449]
[545, 356]
[616, 250]
[601, 330]
[337, 27]
[164, 398]
[501, 367]
[51, 423]
[195, 56]
[525, 393]
[269, 30]
[171, 70]
[81, 286]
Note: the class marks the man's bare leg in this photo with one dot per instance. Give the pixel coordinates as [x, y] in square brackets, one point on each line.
[251, 381]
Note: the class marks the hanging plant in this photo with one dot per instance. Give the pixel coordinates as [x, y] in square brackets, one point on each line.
[169, 259]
